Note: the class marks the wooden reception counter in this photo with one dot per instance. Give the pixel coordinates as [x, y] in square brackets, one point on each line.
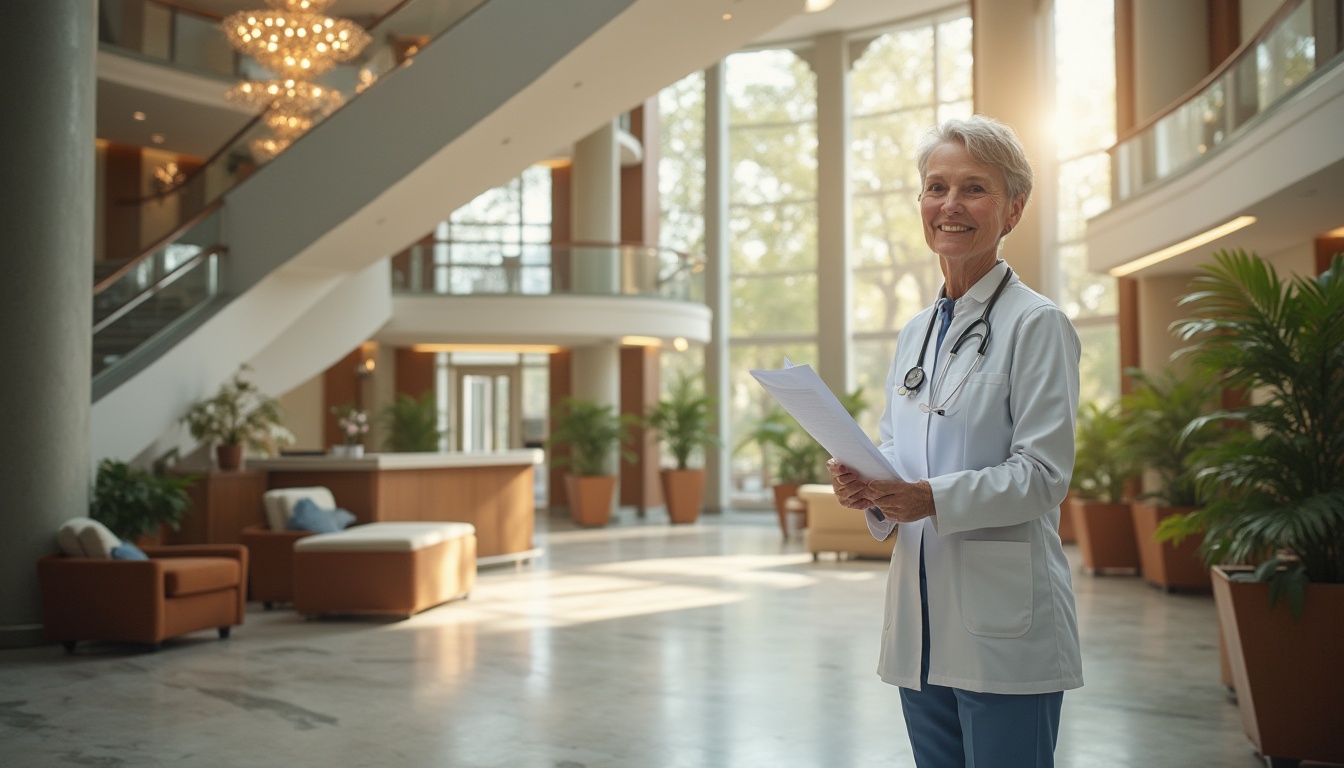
[491, 490]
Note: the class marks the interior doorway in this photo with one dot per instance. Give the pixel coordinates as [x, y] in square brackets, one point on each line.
[489, 407]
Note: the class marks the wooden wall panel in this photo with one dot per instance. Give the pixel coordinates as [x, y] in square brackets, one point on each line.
[340, 386]
[222, 505]
[415, 372]
[121, 236]
[1326, 248]
[561, 365]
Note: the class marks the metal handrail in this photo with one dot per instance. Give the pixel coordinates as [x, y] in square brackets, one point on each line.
[164, 242]
[158, 286]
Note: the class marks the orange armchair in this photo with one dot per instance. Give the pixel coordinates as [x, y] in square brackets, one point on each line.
[179, 589]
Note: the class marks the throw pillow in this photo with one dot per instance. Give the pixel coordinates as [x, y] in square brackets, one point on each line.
[97, 540]
[310, 517]
[67, 536]
[128, 551]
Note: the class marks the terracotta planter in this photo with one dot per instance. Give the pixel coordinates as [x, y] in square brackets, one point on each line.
[590, 498]
[784, 492]
[1067, 534]
[1289, 682]
[1169, 567]
[1105, 535]
[684, 491]
[229, 456]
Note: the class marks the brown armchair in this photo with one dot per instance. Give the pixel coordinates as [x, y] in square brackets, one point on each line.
[271, 577]
[179, 589]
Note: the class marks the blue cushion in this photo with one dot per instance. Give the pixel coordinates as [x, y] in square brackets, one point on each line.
[308, 516]
[128, 551]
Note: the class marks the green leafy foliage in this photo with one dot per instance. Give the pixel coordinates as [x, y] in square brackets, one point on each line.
[239, 414]
[1100, 466]
[412, 424]
[1165, 428]
[684, 420]
[798, 458]
[132, 501]
[590, 432]
[1276, 488]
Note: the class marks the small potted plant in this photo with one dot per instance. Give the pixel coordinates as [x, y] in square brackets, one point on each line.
[1102, 519]
[684, 421]
[352, 423]
[589, 432]
[412, 424]
[239, 416]
[135, 503]
[798, 459]
[1158, 436]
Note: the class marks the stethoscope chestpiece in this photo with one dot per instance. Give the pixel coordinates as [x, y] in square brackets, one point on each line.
[914, 379]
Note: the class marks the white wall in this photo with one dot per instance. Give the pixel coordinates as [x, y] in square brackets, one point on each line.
[303, 413]
[1254, 14]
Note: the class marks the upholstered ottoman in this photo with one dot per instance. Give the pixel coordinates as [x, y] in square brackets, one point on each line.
[393, 568]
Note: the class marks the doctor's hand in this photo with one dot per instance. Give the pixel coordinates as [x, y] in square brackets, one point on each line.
[901, 501]
[850, 489]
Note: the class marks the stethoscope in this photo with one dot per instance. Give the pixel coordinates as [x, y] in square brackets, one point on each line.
[978, 329]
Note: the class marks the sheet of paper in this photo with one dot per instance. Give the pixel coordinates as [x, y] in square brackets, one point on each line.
[806, 397]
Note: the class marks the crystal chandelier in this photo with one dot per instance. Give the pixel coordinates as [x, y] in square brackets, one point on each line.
[296, 42]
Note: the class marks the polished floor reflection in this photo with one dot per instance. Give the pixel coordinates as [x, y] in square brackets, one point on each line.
[715, 644]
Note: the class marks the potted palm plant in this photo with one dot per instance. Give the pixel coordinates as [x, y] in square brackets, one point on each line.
[1158, 437]
[1274, 496]
[798, 459]
[135, 503]
[589, 432]
[684, 420]
[1102, 520]
[412, 424]
[239, 416]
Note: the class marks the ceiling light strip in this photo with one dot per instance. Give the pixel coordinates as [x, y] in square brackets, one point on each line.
[1185, 245]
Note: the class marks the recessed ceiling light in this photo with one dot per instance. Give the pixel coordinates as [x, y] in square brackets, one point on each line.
[158, 138]
[727, 17]
[139, 117]
[813, 6]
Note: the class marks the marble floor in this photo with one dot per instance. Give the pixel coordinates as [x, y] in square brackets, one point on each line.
[641, 644]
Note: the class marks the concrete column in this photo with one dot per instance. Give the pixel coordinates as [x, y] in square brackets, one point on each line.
[47, 54]
[1012, 58]
[718, 385]
[830, 62]
[595, 211]
[595, 216]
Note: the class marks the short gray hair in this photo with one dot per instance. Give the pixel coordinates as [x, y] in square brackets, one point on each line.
[989, 142]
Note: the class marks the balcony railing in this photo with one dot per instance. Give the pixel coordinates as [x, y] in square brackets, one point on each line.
[162, 30]
[1301, 40]
[542, 269]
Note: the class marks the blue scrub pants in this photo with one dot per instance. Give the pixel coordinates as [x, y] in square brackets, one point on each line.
[952, 728]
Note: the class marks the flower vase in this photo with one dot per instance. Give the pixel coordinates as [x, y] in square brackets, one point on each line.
[354, 451]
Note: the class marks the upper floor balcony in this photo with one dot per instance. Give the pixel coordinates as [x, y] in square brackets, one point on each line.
[1250, 158]
[543, 293]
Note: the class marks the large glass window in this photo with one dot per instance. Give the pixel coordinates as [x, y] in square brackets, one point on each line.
[498, 242]
[772, 239]
[907, 79]
[1084, 129]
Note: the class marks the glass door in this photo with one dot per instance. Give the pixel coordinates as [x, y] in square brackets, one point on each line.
[489, 408]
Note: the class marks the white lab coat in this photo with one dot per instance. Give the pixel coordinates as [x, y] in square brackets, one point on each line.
[1001, 611]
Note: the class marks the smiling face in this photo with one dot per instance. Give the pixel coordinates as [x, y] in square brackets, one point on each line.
[966, 210]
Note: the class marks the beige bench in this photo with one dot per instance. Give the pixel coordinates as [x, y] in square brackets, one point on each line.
[384, 568]
[833, 528]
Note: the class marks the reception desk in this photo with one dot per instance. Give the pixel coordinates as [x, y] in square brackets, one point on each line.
[493, 491]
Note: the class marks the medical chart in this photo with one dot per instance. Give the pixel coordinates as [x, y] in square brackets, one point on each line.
[806, 397]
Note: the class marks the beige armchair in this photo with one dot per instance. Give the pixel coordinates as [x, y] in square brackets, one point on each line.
[833, 528]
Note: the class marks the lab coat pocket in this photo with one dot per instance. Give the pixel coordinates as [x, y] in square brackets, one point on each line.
[996, 588]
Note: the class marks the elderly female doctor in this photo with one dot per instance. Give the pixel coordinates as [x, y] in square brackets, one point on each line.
[980, 631]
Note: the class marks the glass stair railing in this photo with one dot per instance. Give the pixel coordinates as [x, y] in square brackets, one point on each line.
[179, 270]
[544, 269]
[141, 299]
[1301, 41]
